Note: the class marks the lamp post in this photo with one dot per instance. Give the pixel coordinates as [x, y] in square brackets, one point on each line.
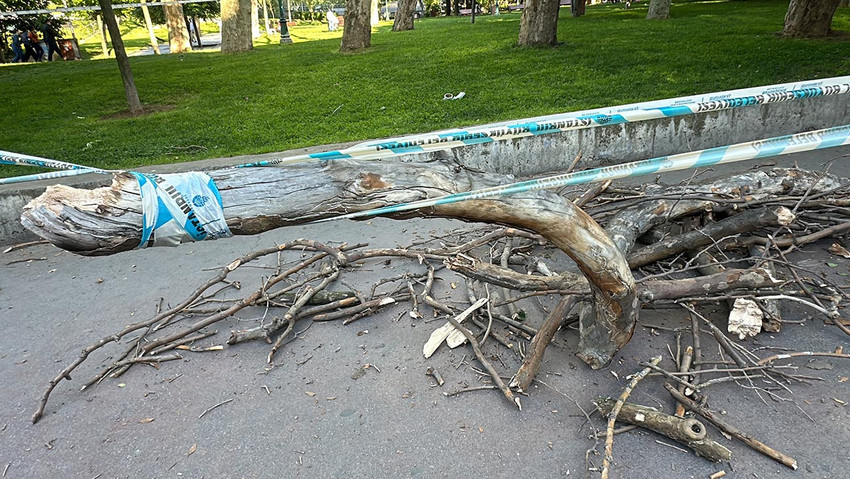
[284, 30]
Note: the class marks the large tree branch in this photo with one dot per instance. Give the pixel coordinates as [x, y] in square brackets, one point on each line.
[109, 220]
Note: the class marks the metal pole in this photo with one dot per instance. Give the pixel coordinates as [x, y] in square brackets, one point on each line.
[284, 31]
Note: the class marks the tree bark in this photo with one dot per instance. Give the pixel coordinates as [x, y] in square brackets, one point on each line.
[747, 221]
[374, 13]
[689, 432]
[197, 30]
[658, 10]
[404, 15]
[108, 220]
[149, 24]
[809, 18]
[255, 20]
[534, 355]
[236, 26]
[178, 33]
[577, 8]
[539, 23]
[102, 30]
[130, 91]
[357, 33]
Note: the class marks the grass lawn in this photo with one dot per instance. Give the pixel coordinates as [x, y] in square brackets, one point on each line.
[276, 98]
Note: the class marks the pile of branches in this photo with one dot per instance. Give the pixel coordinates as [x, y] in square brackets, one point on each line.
[688, 244]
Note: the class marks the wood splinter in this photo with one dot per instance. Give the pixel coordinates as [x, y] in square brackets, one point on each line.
[436, 375]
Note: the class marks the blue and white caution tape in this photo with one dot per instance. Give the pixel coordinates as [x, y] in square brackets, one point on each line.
[515, 129]
[43, 176]
[574, 121]
[180, 208]
[782, 145]
[63, 168]
[10, 158]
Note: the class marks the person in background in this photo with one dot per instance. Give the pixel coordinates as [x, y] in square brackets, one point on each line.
[16, 47]
[29, 51]
[49, 34]
[36, 44]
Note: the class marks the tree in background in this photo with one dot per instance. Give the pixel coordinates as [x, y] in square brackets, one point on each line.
[130, 91]
[404, 15]
[178, 33]
[538, 25]
[809, 18]
[236, 26]
[357, 34]
[658, 10]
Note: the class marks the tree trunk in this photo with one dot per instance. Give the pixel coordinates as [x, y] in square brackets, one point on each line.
[449, 8]
[374, 13]
[255, 19]
[149, 25]
[109, 220]
[266, 15]
[577, 8]
[658, 10]
[2, 47]
[197, 29]
[178, 33]
[809, 18]
[130, 92]
[539, 23]
[102, 29]
[404, 15]
[358, 32]
[236, 26]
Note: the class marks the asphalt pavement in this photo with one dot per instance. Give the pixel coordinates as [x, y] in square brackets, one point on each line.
[320, 412]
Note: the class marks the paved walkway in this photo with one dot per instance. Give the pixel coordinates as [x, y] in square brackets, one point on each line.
[209, 41]
[319, 414]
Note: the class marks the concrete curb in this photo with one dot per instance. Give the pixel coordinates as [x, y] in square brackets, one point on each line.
[533, 155]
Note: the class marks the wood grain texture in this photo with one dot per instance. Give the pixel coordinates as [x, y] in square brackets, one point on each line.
[108, 220]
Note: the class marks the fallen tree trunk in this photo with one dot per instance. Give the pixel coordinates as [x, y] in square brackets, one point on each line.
[108, 220]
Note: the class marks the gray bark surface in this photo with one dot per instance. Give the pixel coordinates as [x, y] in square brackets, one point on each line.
[809, 18]
[178, 33]
[404, 15]
[236, 18]
[658, 10]
[538, 25]
[357, 33]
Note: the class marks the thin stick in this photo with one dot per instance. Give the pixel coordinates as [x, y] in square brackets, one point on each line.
[683, 368]
[484, 362]
[465, 390]
[731, 430]
[799, 354]
[612, 417]
[223, 272]
[720, 337]
[290, 315]
[21, 246]
[217, 405]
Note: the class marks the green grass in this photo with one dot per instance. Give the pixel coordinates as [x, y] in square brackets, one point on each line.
[276, 98]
